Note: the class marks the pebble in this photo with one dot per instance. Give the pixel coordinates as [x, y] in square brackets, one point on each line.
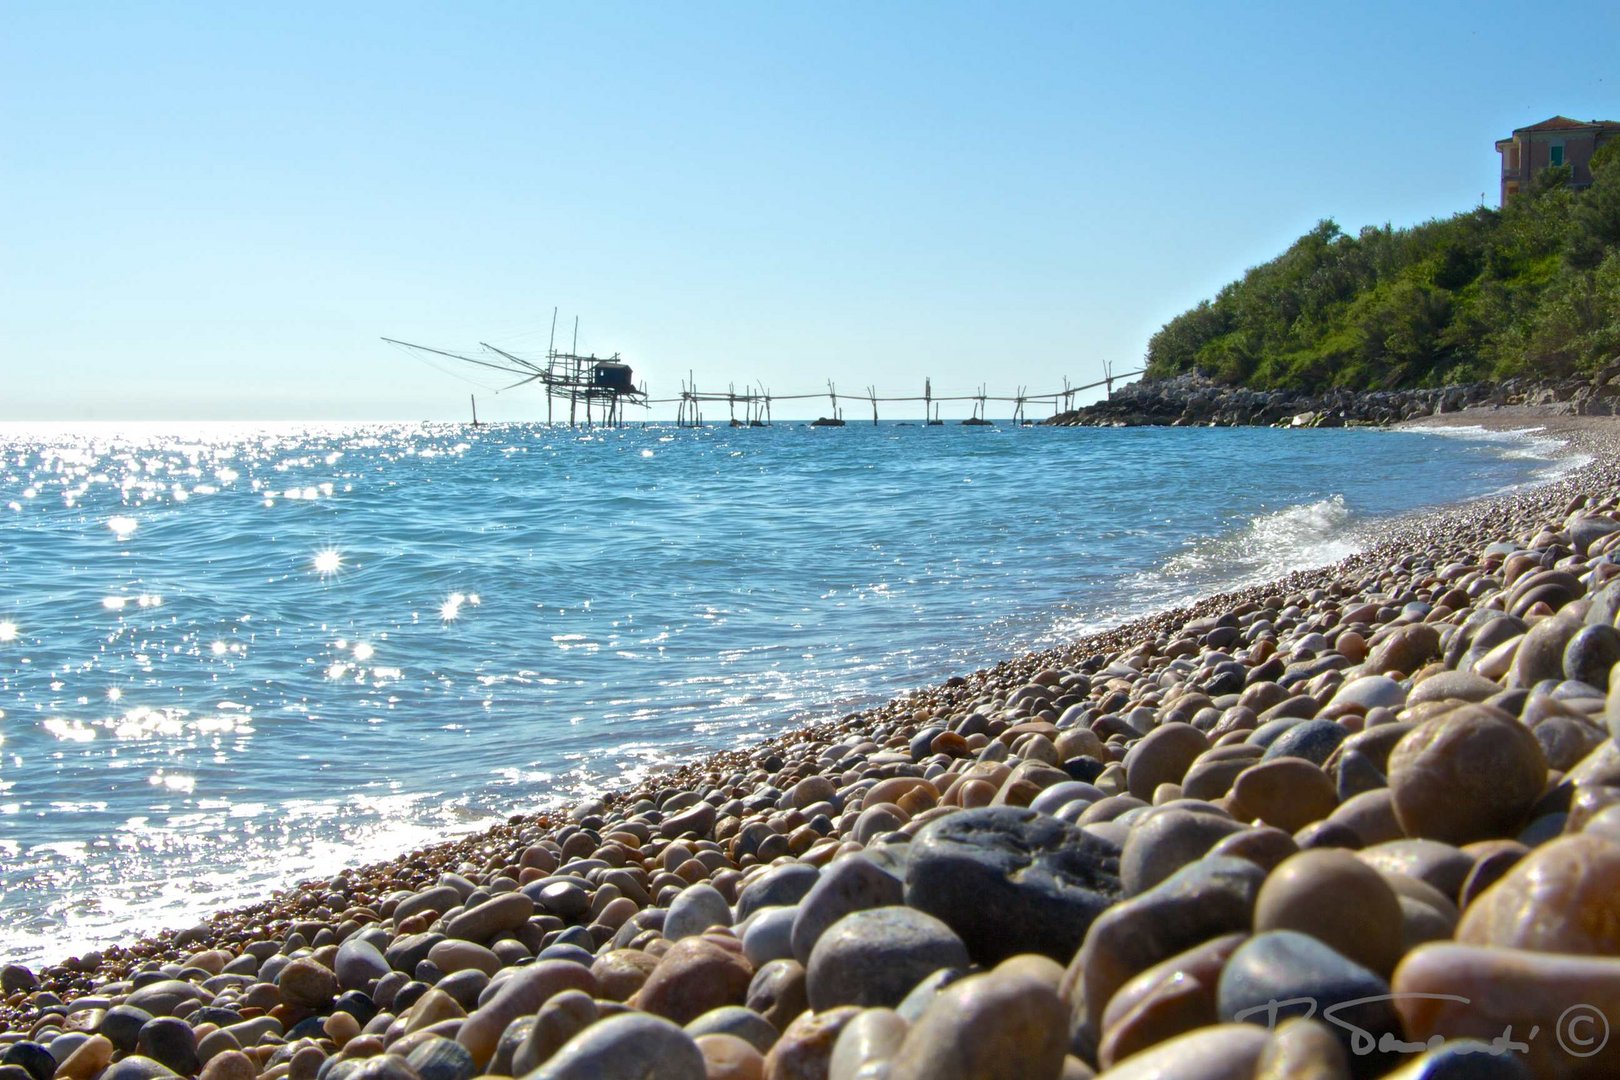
[726, 1057]
[874, 957]
[1336, 898]
[1313, 740]
[1467, 991]
[1563, 896]
[1287, 793]
[695, 910]
[867, 1042]
[1471, 774]
[1010, 881]
[171, 1042]
[1217, 1052]
[696, 974]
[631, 1046]
[1283, 973]
[1164, 842]
[562, 1017]
[1004, 1024]
[1206, 899]
[306, 984]
[805, 1049]
[1170, 998]
[1162, 757]
[741, 1023]
[851, 883]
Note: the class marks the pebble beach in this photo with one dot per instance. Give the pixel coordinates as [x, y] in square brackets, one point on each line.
[1357, 822]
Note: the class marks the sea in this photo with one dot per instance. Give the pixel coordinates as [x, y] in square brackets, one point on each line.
[234, 656]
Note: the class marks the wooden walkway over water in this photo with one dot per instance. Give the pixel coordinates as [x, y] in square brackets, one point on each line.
[598, 390]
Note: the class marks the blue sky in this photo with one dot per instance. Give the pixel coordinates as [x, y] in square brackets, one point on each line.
[215, 213]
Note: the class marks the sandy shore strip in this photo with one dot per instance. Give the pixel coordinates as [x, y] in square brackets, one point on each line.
[1379, 793]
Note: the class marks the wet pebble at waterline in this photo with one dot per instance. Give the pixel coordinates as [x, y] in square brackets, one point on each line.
[1082, 862]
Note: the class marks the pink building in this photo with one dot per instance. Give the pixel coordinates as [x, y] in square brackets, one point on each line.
[1559, 141]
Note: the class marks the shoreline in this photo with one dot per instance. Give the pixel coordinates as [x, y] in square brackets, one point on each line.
[1508, 419]
[1453, 534]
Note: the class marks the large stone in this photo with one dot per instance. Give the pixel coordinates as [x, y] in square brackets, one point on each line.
[507, 911]
[696, 974]
[1206, 899]
[306, 984]
[1005, 1024]
[697, 908]
[1167, 840]
[1564, 896]
[1220, 1052]
[1555, 1010]
[851, 883]
[1471, 774]
[358, 962]
[1169, 999]
[875, 957]
[1337, 899]
[780, 886]
[521, 994]
[805, 1049]
[631, 1046]
[1162, 757]
[1283, 973]
[1010, 880]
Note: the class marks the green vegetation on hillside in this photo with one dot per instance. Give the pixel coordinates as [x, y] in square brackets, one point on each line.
[1532, 289]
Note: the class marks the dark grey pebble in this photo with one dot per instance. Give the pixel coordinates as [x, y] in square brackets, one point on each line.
[1009, 880]
[851, 883]
[874, 958]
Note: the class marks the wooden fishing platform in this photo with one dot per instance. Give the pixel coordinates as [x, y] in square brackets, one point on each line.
[599, 389]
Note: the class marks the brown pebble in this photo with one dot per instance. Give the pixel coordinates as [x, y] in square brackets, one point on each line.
[1288, 793]
[1472, 774]
[1337, 899]
[1562, 897]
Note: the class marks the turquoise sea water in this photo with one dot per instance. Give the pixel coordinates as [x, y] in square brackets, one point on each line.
[232, 658]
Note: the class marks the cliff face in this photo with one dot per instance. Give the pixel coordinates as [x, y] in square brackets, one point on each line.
[1195, 401]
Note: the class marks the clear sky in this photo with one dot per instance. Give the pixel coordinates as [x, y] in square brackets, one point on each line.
[214, 211]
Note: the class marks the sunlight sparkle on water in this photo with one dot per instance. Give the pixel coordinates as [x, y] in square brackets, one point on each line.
[328, 562]
[450, 610]
[8, 631]
[122, 527]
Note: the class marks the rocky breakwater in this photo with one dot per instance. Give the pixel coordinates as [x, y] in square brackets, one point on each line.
[1364, 821]
[1192, 400]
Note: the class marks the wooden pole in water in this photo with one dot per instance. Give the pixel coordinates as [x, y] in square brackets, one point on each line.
[474, 401]
[871, 392]
[832, 392]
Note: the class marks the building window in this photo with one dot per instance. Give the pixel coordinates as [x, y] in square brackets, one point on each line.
[1557, 152]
